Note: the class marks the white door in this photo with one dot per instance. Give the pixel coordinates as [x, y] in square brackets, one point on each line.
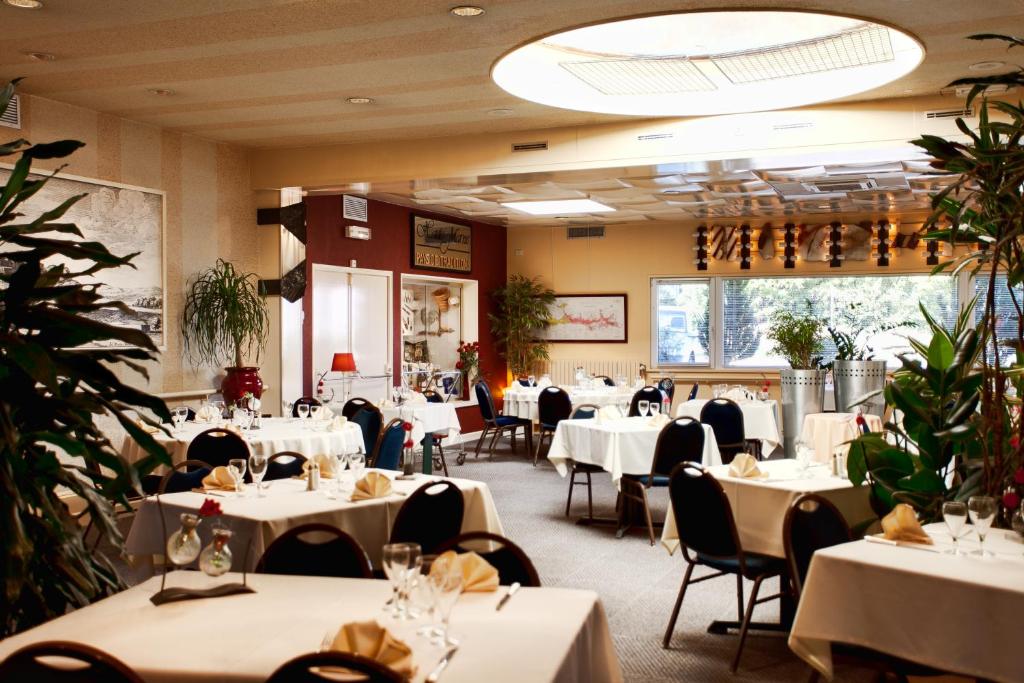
[352, 312]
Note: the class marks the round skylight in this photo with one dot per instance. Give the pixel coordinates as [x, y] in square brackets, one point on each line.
[700, 63]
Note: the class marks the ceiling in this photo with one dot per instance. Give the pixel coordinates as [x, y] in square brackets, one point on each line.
[274, 73]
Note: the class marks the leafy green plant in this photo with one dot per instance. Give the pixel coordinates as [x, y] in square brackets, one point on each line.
[523, 308]
[798, 338]
[224, 315]
[51, 389]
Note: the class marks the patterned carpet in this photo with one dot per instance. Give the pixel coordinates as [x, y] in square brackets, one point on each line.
[637, 583]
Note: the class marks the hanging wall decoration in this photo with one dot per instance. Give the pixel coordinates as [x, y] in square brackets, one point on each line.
[834, 243]
[766, 243]
[789, 240]
[881, 243]
[744, 247]
[932, 252]
[702, 248]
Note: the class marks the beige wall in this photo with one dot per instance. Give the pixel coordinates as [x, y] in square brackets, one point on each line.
[209, 204]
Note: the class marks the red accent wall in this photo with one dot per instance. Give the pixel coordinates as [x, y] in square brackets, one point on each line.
[391, 249]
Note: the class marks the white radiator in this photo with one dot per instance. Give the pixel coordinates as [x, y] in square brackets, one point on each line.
[563, 372]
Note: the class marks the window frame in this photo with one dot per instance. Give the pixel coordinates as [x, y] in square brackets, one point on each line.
[712, 318]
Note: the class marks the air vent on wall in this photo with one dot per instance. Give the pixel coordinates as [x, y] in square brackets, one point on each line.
[655, 136]
[843, 185]
[584, 232]
[11, 117]
[353, 208]
[963, 113]
[529, 146]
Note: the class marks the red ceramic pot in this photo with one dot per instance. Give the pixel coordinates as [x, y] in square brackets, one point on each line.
[240, 381]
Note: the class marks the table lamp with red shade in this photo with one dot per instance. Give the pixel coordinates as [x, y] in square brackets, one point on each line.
[344, 363]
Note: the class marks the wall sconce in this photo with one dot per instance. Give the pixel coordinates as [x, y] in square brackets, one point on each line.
[789, 245]
[835, 244]
[745, 247]
[881, 242]
[702, 248]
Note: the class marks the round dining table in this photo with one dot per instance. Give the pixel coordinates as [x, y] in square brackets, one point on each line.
[521, 401]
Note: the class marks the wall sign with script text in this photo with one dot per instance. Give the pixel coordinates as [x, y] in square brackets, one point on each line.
[438, 245]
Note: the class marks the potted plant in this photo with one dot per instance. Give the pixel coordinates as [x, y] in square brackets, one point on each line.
[57, 371]
[856, 376]
[225, 317]
[799, 339]
[522, 311]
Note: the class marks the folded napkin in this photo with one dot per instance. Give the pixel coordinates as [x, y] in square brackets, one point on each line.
[337, 424]
[219, 480]
[744, 466]
[417, 397]
[326, 463]
[207, 414]
[369, 639]
[659, 420]
[478, 575]
[609, 413]
[736, 395]
[373, 485]
[544, 382]
[146, 427]
[901, 525]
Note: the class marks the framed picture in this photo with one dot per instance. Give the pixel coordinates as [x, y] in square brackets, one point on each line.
[125, 219]
[439, 245]
[587, 318]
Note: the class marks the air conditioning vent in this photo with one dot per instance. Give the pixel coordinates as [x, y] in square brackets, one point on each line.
[843, 185]
[655, 136]
[354, 208]
[529, 146]
[11, 117]
[963, 113]
[584, 232]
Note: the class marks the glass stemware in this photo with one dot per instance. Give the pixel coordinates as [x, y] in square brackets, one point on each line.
[303, 411]
[446, 583]
[219, 405]
[642, 406]
[982, 511]
[400, 561]
[804, 454]
[258, 469]
[532, 380]
[236, 468]
[954, 513]
[340, 463]
[288, 407]
[315, 412]
[655, 408]
[356, 463]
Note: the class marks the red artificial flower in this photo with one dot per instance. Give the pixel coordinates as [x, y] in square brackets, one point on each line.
[407, 426]
[1014, 441]
[408, 443]
[210, 508]
[1011, 500]
[1018, 476]
[458, 365]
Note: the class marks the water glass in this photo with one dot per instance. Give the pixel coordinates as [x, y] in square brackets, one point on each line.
[804, 454]
[303, 410]
[236, 468]
[655, 408]
[219, 405]
[532, 380]
[446, 581]
[954, 513]
[178, 416]
[288, 407]
[356, 463]
[315, 412]
[642, 406]
[982, 510]
[399, 561]
[258, 469]
[340, 464]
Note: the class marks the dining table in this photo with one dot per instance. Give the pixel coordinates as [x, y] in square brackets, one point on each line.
[521, 402]
[427, 419]
[828, 433]
[541, 634]
[256, 521]
[955, 613]
[760, 419]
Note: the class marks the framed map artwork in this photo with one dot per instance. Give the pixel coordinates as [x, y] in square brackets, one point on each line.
[587, 318]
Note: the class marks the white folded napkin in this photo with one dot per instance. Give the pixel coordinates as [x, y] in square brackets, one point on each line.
[544, 382]
[736, 395]
[658, 420]
[744, 466]
[337, 424]
[417, 397]
[207, 414]
[608, 413]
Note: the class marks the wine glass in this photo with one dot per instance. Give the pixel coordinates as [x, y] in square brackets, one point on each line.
[655, 408]
[982, 510]
[804, 455]
[394, 559]
[219, 405]
[288, 407]
[315, 412]
[340, 463]
[532, 380]
[954, 513]
[303, 411]
[642, 406]
[446, 581]
[409, 575]
[258, 469]
[178, 416]
[236, 468]
[356, 463]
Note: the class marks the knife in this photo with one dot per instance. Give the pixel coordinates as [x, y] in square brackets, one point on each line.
[442, 665]
[511, 591]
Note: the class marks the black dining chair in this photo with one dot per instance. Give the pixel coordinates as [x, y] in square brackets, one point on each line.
[497, 425]
[584, 411]
[708, 538]
[437, 437]
[60, 661]
[217, 446]
[648, 393]
[430, 516]
[284, 465]
[387, 454]
[294, 553]
[725, 418]
[174, 480]
[693, 391]
[512, 563]
[304, 401]
[323, 667]
[608, 381]
[680, 440]
[371, 422]
[667, 385]
[353, 405]
[553, 406]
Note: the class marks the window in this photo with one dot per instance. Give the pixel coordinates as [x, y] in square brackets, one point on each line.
[1006, 312]
[681, 318]
[431, 323]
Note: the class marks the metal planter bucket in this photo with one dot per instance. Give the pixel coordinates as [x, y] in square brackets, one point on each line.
[803, 393]
[855, 379]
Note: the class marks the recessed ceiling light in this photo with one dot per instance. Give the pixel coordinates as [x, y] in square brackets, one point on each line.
[558, 207]
[160, 92]
[986, 66]
[499, 112]
[705, 63]
[467, 11]
[25, 4]
[359, 100]
[40, 56]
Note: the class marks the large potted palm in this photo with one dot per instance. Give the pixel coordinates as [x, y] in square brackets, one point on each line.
[798, 338]
[225, 318]
[522, 310]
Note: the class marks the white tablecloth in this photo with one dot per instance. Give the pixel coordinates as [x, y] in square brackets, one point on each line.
[427, 418]
[623, 446]
[759, 505]
[827, 432]
[542, 634]
[521, 401]
[277, 434]
[760, 420]
[287, 504]
[955, 613]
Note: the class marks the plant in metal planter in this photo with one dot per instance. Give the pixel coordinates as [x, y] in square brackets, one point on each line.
[225, 318]
[857, 377]
[51, 388]
[522, 310]
[799, 339]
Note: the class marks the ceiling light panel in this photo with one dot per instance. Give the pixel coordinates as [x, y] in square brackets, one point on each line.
[558, 207]
[641, 76]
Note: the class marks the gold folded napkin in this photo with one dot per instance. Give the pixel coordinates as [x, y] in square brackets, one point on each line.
[369, 639]
[901, 525]
[337, 424]
[744, 466]
[219, 480]
[373, 485]
[659, 420]
[478, 575]
[146, 427]
[326, 463]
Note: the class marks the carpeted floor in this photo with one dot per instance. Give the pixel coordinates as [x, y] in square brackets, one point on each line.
[637, 583]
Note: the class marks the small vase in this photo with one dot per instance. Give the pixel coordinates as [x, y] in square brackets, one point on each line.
[216, 557]
[183, 546]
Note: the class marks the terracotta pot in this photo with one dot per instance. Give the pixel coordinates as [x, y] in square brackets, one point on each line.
[239, 381]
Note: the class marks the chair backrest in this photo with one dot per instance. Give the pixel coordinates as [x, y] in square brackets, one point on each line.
[523, 382]
[387, 455]
[190, 416]
[811, 523]
[553, 405]
[648, 393]
[667, 385]
[680, 440]
[353, 405]
[512, 563]
[485, 402]
[430, 516]
[725, 418]
[339, 555]
[693, 391]
[432, 396]
[321, 667]
[216, 446]
[585, 411]
[175, 481]
[41, 663]
[304, 401]
[703, 514]
[371, 422]
[284, 465]
[608, 381]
